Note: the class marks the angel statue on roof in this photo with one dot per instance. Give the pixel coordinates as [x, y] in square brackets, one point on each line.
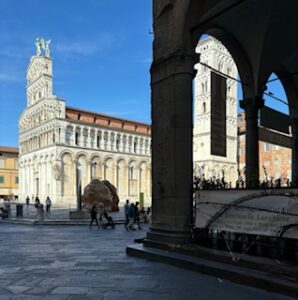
[41, 43]
[38, 45]
[47, 48]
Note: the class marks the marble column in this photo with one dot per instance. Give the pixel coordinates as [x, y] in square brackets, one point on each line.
[63, 135]
[171, 102]
[127, 181]
[251, 108]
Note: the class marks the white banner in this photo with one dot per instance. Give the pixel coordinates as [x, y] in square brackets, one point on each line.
[270, 212]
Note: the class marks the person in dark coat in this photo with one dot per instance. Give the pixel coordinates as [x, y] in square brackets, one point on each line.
[37, 201]
[126, 208]
[131, 217]
[137, 215]
[93, 215]
[27, 201]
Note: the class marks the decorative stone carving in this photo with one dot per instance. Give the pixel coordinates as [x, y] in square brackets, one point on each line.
[101, 191]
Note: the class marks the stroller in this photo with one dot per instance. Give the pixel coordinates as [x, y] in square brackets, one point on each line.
[108, 221]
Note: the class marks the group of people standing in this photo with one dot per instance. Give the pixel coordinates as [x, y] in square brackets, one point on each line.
[132, 215]
[38, 204]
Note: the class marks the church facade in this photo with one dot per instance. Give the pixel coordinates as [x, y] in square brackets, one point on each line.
[63, 148]
[214, 54]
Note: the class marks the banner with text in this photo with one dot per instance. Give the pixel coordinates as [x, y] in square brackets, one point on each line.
[268, 212]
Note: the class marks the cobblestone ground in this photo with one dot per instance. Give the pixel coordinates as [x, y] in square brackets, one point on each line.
[57, 212]
[73, 262]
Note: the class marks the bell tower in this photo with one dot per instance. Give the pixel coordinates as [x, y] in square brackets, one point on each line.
[40, 73]
[207, 164]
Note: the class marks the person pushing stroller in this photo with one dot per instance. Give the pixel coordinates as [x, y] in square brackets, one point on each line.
[104, 219]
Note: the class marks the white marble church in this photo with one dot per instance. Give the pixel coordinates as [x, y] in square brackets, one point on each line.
[214, 54]
[62, 147]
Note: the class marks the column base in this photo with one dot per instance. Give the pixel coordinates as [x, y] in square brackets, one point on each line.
[166, 239]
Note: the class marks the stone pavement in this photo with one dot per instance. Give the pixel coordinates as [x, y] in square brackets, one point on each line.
[73, 262]
[58, 213]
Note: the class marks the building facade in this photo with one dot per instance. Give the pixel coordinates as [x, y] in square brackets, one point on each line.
[214, 54]
[9, 174]
[275, 154]
[63, 148]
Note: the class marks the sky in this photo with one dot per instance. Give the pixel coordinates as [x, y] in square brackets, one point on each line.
[101, 53]
[101, 49]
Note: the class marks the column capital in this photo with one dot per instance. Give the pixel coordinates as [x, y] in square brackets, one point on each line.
[176, 63]
[252, 103]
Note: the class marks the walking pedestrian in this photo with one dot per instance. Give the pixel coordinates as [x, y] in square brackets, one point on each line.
[37, 201]
[131, 217]
[137, 216]
[101, 211]
[27, 201]
[126, 207]
[93, 216]
[48, 205]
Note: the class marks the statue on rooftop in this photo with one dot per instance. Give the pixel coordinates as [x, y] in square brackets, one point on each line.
[47, 48]
[40, 44]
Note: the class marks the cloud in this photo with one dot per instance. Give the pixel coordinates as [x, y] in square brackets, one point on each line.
[96, 44]
[76, 48]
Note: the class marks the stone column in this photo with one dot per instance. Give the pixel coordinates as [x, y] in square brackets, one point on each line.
[116, 177]
[127, 181]
[121, 145]
[294, 125]
[72, 136]
[251, 108]
[149, 186]
[87, 136]
[63, 135]
[108, 142]
[171, 102]
[125, 143]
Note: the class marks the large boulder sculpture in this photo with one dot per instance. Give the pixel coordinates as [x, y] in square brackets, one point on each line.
[101, 192]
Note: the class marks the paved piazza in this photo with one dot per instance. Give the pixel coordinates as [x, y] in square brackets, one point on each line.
[73, 262]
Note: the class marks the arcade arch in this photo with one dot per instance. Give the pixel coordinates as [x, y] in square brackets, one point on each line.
[243, 27]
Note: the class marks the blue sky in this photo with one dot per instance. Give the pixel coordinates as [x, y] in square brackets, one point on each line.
[102, 52]
[101, 49]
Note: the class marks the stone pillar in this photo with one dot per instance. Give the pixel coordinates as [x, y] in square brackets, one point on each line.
[149, 186]
[87, 137]
[121, 145]
[116, 176]
[138, 171]
[108, 142]
[73, 136]
[171, 102]
[251, 108]
[127, 181]
[57, 181]
[63, 135]
[294, 125]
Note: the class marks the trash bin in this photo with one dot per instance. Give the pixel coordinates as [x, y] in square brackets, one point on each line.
[19, 210]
